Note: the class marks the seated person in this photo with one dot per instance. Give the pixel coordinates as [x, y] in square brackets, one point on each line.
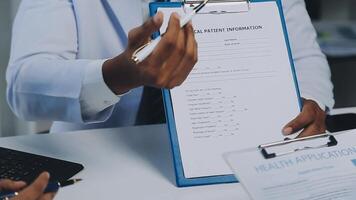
[71, 63]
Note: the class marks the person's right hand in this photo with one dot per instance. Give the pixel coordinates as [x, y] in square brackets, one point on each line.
[168, 65]
[32, 192]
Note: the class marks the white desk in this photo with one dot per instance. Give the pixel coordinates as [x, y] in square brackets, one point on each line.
[124, 163]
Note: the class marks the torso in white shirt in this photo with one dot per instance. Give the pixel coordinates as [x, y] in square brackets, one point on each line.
[124, 113]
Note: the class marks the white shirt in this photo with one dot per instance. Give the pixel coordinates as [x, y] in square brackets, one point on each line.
[58, 48]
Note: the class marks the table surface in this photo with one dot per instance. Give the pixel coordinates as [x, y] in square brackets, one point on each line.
[121, 163]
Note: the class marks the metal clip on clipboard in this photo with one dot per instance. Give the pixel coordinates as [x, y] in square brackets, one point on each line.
[235, 6]
[263, 148]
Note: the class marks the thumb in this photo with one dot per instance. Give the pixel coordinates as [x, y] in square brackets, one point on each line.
[141, 34]
[36, 189]
[11, 185]
[297, 124]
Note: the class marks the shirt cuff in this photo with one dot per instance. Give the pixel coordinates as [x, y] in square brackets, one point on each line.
[96, 96]
[320, 104]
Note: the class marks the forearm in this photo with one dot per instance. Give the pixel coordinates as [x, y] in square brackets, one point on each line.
[314, 80]
[312, 68]
[121, 74]
[45, 78]
[47, 89]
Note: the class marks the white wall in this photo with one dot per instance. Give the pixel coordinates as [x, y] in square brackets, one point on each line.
[9, 124]
[6, 117]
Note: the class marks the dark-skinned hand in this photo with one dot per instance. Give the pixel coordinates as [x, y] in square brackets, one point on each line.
[311, 120]
[167, 67]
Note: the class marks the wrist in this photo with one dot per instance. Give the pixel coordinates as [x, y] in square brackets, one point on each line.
[317, 102]
[120, 74]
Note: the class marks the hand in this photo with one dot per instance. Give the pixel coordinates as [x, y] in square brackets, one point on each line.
[311, 119]
[168, 65]
[32, 192]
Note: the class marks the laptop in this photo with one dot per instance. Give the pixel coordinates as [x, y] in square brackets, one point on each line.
[21, 166]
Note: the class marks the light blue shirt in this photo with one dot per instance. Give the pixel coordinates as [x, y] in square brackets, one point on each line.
[58, 48]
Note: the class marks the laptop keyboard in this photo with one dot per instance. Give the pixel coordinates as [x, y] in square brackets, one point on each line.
[18, 165]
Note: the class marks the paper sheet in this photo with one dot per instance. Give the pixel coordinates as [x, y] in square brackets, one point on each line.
[318, 174]
[240, 93]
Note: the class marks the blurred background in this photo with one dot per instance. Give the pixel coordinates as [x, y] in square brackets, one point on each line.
[335, 21]
[9, 124]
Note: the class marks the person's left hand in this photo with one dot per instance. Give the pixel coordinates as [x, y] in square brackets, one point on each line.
[311, 119]
[35, 191]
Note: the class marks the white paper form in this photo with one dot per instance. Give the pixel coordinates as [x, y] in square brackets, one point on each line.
[240, 93]
[319, 174]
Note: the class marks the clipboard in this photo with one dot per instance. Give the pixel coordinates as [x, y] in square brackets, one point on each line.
[331, 141]
[297, 166]
[181, 180]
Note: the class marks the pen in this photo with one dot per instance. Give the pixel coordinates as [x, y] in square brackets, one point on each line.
[143, 52]
[51, 187]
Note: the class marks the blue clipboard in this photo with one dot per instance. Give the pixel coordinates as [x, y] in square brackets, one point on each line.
[181, 180]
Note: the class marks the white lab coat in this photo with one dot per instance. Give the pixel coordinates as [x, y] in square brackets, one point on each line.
[55, 42]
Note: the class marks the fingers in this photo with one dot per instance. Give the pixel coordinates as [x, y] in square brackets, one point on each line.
[183, 59]
[141, 34]
[304, 119]
[12, 185]
[172, 59]
[122, 74]
[167, 55]
[168, 43]
[189, 59]
[311, 119]
[36, 189]
[313, 130]
[173, 62]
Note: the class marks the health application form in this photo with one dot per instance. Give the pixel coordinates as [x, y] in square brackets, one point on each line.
[317, 174]
[240, 93]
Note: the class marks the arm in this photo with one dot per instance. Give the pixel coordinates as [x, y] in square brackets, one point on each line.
[312, 71]
[311, 65]
[45, 80]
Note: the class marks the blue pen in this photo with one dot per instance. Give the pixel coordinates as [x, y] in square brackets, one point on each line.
[51, 187]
